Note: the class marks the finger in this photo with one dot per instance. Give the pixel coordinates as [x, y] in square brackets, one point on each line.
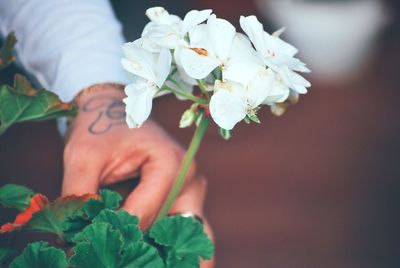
[121, 169]
[192, 200]
[80, 177]
[157, 176]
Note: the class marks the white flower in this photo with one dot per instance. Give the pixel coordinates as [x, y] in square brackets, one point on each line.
[227, 105]
[166, 30]
[294, 80]
[274, 51]
[232, 101]
[216, 44]
[138, 103]
[169, 31]
[150, 70]
[279, 92]
[276, 54]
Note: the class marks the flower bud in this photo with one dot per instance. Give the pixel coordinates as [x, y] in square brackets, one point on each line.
[278, 109]
[187, 119]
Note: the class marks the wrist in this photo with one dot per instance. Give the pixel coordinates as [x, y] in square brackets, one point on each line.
[96, 103]
[114, 90]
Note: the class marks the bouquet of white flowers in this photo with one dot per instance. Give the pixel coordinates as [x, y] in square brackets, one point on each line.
[235, 73]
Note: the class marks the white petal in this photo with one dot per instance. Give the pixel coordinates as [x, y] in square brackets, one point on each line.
[193, 18]
[297, 65]
[279, 32]
[221, 34]
[244, 62]
[281, 61]
[183, 75]
[162, 34]
[294, 81]
[227, 107]
[158, 15]
[242, 50]
[139, 61]
[254, 29]
[260, 88]
[146, 43]
[199, 38]
[163, 66]
[138, 103]
[275, 45]
[196, 65]
[278, 92]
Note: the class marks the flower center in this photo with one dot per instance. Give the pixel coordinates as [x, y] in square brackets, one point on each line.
[200, 51]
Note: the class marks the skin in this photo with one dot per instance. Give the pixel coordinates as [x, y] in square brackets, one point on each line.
[101, 150]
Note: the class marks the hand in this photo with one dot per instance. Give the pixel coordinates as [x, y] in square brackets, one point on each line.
[101, 150]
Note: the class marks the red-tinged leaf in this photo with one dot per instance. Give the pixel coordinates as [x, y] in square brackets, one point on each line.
[22, 85]
[76, 198]
[23, 103]
[52, 219]
[37, 203]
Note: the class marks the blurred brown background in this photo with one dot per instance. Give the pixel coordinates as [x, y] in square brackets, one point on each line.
[318, 187]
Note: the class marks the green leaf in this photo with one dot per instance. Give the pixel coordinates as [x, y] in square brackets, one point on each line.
[92, 208]
[111, 199]
[24, 103]
[141, 255]
[226, 134]
[186, 261]
[98, 245]
[40, 254]
[183, 239]
[6, 55]
[52, 219]
[5, 255]
[123, 222]
[108, 200]
[74, 224]
[15, 196]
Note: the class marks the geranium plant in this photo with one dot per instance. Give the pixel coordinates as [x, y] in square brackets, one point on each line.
[235, 74]
[98, 234]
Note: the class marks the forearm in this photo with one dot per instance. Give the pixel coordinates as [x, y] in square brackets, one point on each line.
[67, 45]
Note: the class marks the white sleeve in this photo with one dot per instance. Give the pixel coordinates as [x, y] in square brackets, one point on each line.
[67, 45]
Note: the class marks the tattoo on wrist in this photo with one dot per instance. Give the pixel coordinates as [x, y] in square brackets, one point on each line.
[110, 112]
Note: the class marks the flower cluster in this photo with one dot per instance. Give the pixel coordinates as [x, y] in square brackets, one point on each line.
[236, 73]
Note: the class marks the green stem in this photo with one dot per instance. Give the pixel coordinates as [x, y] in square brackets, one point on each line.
[187, 161]
[186, 95]
[202, 86]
